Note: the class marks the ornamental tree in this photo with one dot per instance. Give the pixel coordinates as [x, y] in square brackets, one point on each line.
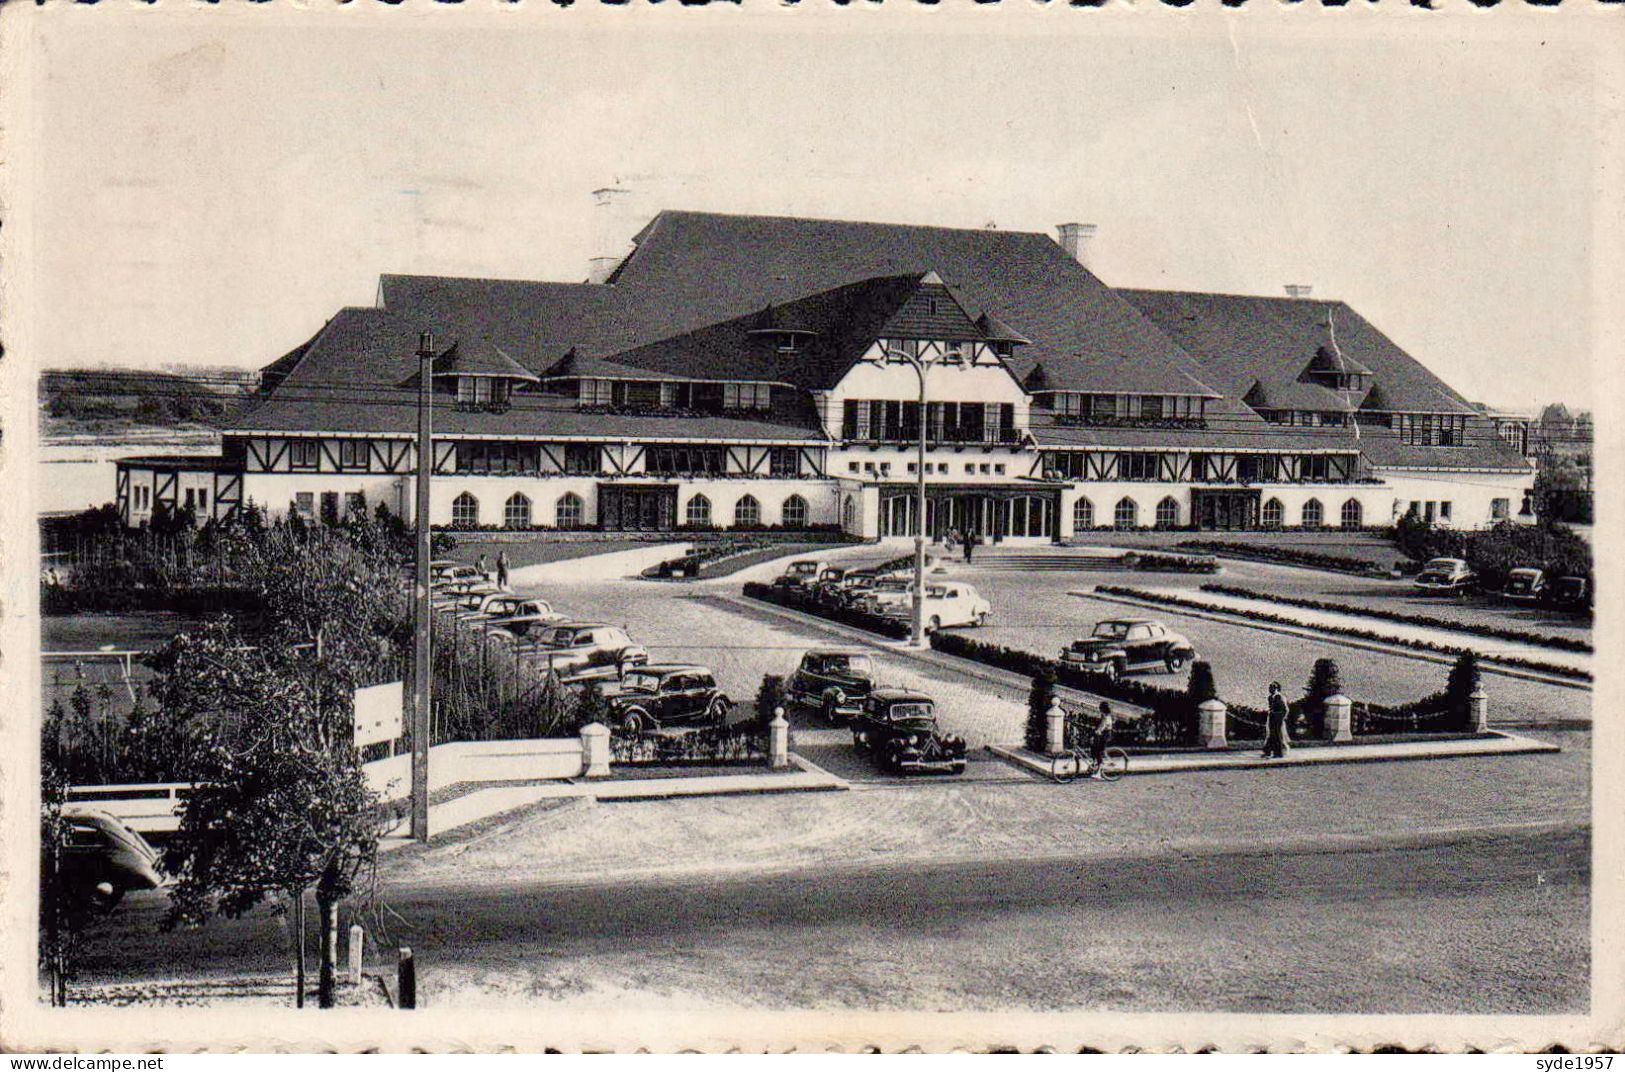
[279, 805]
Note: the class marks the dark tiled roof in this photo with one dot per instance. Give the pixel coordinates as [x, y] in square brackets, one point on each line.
[1239, 340]
[693, 268]
[195, 462]
[347, 384]
[1298, 395]
[838, 326]
[1484, 450]
[479, 357]
[1332, 359]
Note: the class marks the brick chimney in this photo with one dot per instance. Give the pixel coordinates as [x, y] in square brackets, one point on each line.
[1299, 290]
[1074, 239]
[605, 230]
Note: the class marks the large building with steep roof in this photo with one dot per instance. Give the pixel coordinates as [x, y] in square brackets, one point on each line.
[742, 372]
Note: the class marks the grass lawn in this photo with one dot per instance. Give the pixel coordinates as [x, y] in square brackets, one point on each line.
[535, 552]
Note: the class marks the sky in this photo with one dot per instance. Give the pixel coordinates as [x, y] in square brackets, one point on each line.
[212, 191]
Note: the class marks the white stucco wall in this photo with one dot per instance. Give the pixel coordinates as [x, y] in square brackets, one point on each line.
[1469, 494]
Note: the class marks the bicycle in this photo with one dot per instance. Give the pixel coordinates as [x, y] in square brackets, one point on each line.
[1078, 763]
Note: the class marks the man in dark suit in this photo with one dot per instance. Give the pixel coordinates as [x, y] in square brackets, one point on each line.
[1275, 741]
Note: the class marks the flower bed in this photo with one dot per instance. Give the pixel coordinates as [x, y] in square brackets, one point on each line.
[796, 600]
[1164, 599]
[1428, 621]
[709, 745]
[1160, 562]
[1290, 556]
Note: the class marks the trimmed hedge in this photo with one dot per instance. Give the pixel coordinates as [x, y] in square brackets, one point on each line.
[794, 599]
[1160, 562]
[56, 599]
[1174, 714]
[1290, 556]
[1338, 630]
[1493, 631]
[709, 744]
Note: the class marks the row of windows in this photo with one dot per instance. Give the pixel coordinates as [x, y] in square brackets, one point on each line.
[884, 468]
[1126, 515]
[705, 397]
[354, 506]
[517, 511]
[569, 510]
[1126, 407]
[1203, 468]
[483, 390]
[196, 498]
[713, 461]
[891, 421]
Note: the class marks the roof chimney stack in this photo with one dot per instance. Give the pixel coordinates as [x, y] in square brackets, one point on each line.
[604, 229]
[1074, 239]
[1299, 290]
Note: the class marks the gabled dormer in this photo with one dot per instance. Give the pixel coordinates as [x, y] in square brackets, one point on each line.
[785, 329]
[479, 373]
[1335, 370]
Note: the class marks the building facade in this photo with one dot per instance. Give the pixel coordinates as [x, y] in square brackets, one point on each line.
[748, 373]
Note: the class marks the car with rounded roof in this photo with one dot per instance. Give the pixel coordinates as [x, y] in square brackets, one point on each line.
[833, 681]
[1119, 646]
[668, 696]
[102, 858]
[898, 728]
[1524, 585]
[580, 651]
[1445, 575]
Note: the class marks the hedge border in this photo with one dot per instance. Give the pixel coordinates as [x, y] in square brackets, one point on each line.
[1287, 556]
[1491, 631]
[1339, 630]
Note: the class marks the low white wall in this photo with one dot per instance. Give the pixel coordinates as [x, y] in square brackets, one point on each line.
[479, 761]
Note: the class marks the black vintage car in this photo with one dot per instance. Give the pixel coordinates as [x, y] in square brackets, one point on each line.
[898, 728]
[1124, 645]
[667, 697]
[833, 682]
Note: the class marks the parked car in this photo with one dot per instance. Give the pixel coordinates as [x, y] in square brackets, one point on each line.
[853, 583]
[1524, 585]
[1119, 646]
[579, 651]
[1572, 593]
[885, 592]
[828, 587]
[898, 728]
[945, 605]
[505, 605]
[467, 598]
[453, 573]
[102, 858]
[527, 617]
[802, 574]
[663, 697]
[1445, 575]
[833, 681]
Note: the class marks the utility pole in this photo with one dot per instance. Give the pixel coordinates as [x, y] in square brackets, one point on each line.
[421, 624]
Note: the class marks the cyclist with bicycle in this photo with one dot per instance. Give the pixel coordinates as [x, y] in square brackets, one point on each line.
[1100, 739]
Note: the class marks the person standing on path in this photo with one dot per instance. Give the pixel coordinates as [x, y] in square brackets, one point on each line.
[483, 566]
[502, 569]
[970, 542]
[1275, 742]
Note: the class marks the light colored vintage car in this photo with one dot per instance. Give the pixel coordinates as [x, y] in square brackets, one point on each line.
[945, 605]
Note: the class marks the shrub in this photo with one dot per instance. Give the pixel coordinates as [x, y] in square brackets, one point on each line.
[1042, 692]
[769, 697]
[1325, 681]
[1201, 687]
[1153, 562]
[708, 744]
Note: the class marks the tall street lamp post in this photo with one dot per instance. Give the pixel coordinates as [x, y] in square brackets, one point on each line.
[920, 365]
[421, 625]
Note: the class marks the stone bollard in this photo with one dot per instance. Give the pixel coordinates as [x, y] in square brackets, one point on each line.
[1478, 706]
[1211, 718]
[1339, 719]
[406, 979]
[358, 943]
[778, 741]
[1054, 728]
[595, 750]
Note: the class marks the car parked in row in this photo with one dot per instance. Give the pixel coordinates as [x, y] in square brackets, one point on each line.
[945, 605]
[834, 682]
[898, 729]
[1525, 585]
[663, 697]
[1121, 646]
[529, 617]
[1446, 575]
[802, 574]
[583, 651]
[1570, 593]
